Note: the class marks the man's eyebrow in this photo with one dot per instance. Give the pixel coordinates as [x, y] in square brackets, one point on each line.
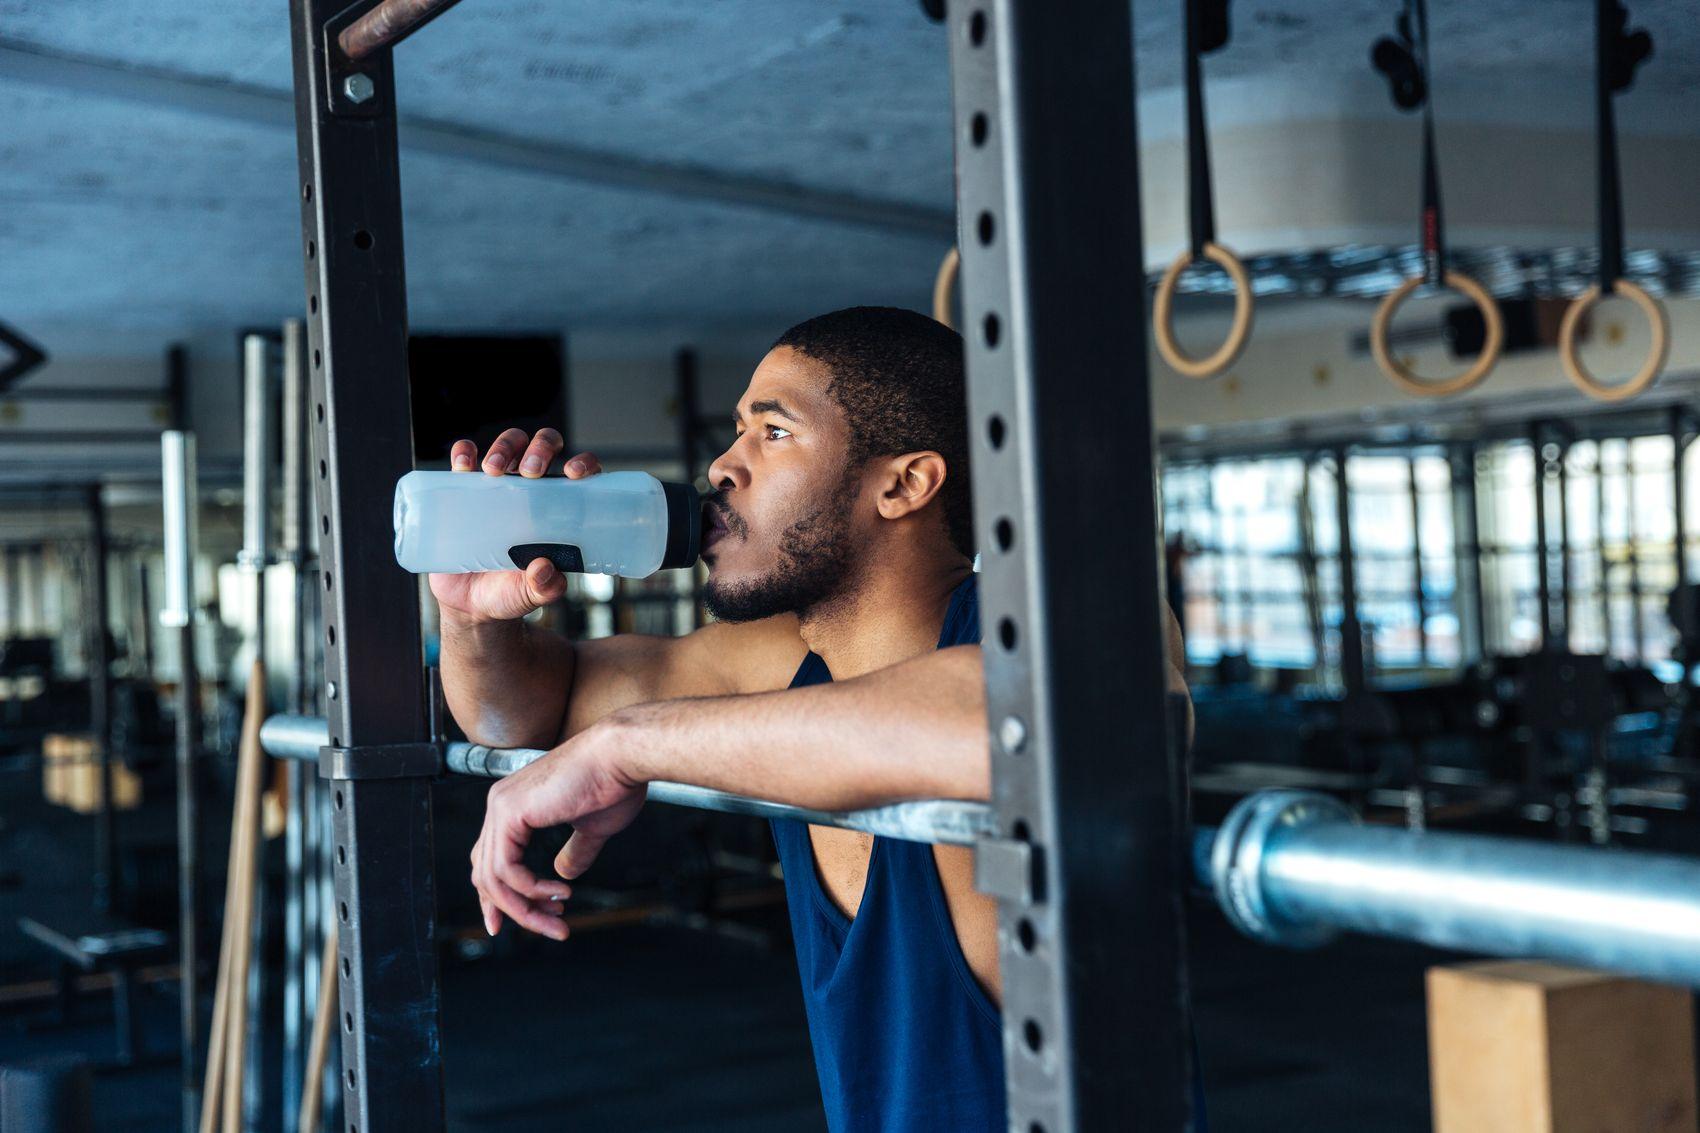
[769, 405]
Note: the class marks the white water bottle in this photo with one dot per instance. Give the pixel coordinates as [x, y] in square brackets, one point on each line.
[624, 523]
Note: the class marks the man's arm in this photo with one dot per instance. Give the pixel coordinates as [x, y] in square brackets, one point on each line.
[913, 730]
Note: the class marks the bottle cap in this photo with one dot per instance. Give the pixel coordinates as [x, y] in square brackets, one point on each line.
[684, 526]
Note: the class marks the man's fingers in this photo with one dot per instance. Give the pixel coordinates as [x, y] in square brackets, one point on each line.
[523, 913]
[504, 452]
[492, 919]
[582, 465]
[543, 448]
[463, 457]
[578, 854]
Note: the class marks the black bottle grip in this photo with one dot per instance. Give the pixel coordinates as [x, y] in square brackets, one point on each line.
[565, 556]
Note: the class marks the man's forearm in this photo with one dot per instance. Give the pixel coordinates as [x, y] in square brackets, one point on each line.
[914, 730]
[506, 682]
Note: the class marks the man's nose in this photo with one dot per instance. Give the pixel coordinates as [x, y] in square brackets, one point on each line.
[728, 473]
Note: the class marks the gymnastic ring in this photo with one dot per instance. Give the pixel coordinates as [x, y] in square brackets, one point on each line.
[1163, 313]
[1658, 351]
[1409, 380]
[944, 287]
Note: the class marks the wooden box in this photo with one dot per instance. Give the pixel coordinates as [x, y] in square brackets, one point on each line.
[1526, 1047]
[70, 776]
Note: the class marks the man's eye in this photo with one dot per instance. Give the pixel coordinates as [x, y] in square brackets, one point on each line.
[774, 433]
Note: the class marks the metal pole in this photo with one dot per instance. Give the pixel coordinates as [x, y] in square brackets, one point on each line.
[1295, 868]
[1418, 597]
[179, 497]
[1543, 583]
[349, 186]
[1600, 544]
[300, 953]
[100, 702]
[1352, 669]
[387, 24]
[1086, 783]
[1633, 552]
[253, 557]
[1467, 551]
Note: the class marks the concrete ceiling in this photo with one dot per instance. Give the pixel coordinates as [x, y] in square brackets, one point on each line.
[147, 151]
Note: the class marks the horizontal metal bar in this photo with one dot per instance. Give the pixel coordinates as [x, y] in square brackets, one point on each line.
[1295, 868]
[388, 24]
[1292, 867]
[947, 821]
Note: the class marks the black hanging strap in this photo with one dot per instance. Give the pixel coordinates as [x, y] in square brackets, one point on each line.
[1617, 53]
[1404, 60]
[1434, 228]
[1206, 31]
[1608, 25]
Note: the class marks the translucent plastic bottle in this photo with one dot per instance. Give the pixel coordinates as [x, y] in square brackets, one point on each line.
[625, 523]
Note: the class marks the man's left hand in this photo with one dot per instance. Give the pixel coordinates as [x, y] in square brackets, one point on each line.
[580, 782]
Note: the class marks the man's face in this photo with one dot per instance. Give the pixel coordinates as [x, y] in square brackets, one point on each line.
[780, 536]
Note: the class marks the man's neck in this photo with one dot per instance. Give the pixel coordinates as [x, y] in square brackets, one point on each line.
[894, 613]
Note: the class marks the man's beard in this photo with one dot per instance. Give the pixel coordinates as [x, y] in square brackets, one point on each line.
[815, 560]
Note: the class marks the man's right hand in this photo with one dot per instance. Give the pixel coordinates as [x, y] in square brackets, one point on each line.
[506, 595]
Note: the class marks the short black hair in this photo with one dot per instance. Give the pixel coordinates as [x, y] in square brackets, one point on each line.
[901, 381]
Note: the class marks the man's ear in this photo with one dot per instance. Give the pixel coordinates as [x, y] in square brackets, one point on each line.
[909, 483]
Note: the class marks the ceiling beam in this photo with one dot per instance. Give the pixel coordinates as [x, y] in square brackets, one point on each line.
[274, 109]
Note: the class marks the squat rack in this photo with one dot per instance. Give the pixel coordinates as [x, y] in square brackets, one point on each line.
[1096, 1018]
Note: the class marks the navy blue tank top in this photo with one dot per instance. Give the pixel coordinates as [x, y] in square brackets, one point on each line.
[905, 1039]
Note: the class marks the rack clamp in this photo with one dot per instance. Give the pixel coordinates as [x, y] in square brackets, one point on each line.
[1009, 869]
[381, 761]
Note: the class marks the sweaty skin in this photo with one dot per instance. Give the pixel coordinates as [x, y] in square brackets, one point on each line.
[901, 719]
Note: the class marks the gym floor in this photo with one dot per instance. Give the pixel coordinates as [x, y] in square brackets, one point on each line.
[670, 1029]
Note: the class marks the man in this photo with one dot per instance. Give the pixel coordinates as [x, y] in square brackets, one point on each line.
[843, 672]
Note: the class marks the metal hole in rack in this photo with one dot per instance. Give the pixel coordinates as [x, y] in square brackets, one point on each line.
[988, 228]
[363, 240]
[979, 129]
[1032, 1035]
[995, 430]
[1006, 634]
[992, 330]
[1026, 935]
[1004, 530]
[977, 29]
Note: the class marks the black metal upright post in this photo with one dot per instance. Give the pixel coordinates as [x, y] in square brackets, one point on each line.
[1467, 556]
[1087, 863]
[379, 759]
[177, 612]
[1353, 674]
[1419, 593]
[96, 611]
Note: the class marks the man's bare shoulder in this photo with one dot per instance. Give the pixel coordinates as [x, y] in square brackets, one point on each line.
[746, 657]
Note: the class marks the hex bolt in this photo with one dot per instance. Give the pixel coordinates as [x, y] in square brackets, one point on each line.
[330, 690]
[358, 88]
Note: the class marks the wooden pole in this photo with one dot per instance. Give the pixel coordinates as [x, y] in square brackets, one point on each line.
[320, 1047]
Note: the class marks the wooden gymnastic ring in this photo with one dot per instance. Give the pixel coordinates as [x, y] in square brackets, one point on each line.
[1409, 380]
[1163, 313]
[1657, 353]
[944, 287]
